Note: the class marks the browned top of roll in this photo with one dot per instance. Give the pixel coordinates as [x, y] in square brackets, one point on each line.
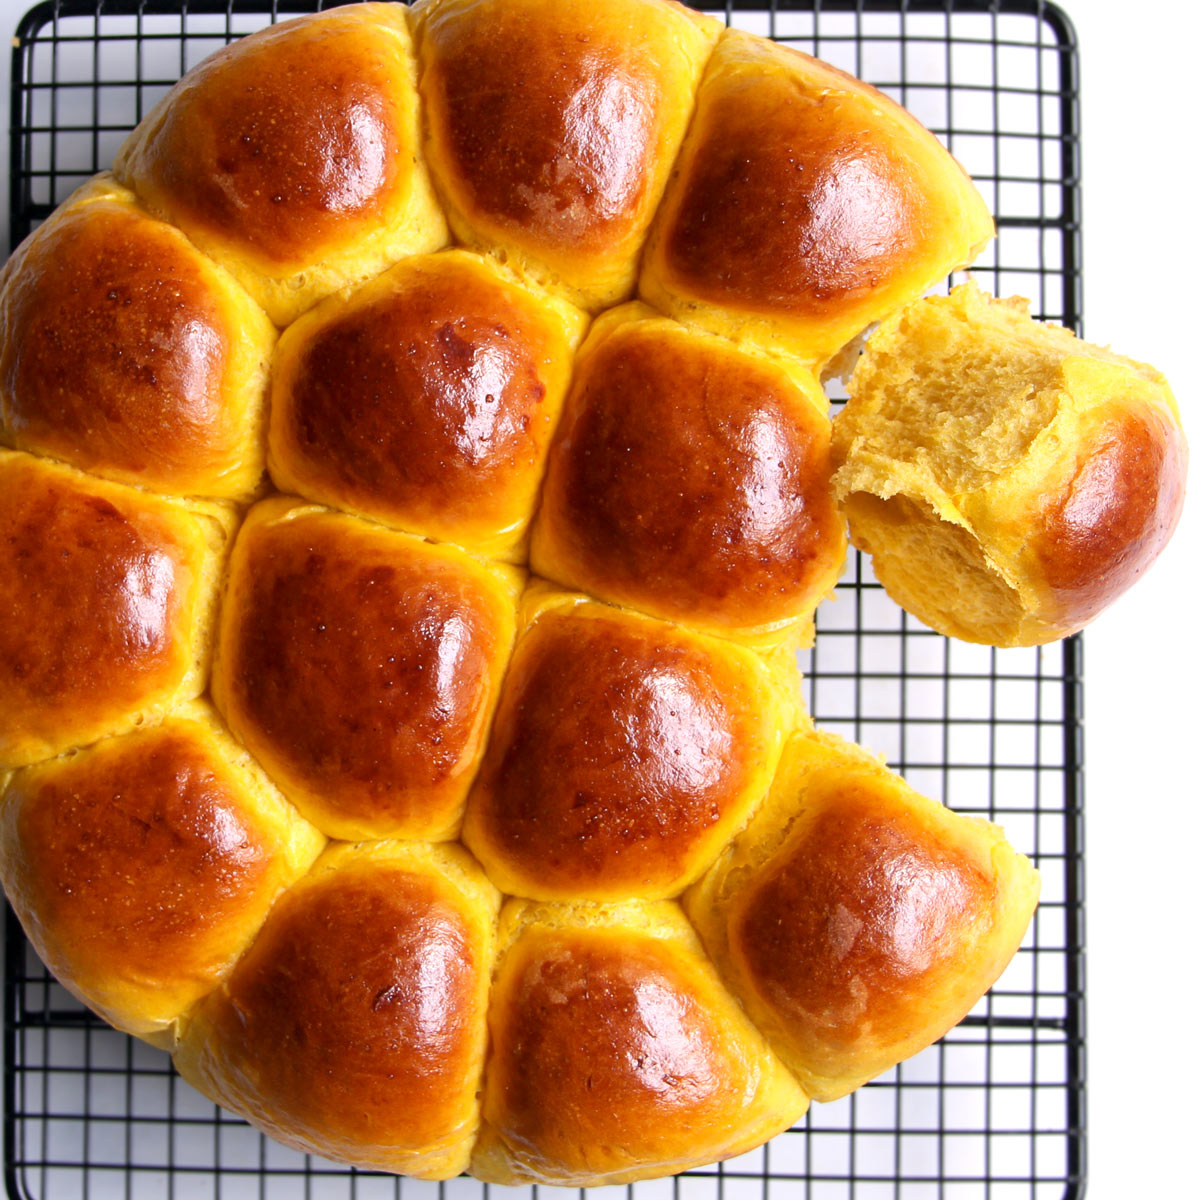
[553, 125]
[429, 402]
[791, 204]
[807, 197]
[621, 748]
[360, 667]
[354, 1021]
[133, 858]
[97, 586]
[880, 908]
[114, 342]
[526, 149]
[286, 142]
[692, 481]
[602, 1048]
[1103, 525]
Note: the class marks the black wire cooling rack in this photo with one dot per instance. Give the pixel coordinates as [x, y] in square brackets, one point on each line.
[996, 1109]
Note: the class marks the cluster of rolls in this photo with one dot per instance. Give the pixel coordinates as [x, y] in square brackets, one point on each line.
[417, 481]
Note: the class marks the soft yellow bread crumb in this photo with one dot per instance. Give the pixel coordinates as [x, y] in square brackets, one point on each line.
[1009, 479]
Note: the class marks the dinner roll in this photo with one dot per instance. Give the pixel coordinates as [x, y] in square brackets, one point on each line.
[625, 753]
[293, 157]
[361, 667]
[125, 352]
[106, 605]
[805, 206]
[690, 479]
[553, 126]
[142, 867]
[857, 920]
[615, 1052]
[426, 399]
[354, 1027]
[1009, 480]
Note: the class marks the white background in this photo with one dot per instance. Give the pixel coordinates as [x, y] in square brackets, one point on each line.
[1141, 663]
[1142, 667]
[1139, 67]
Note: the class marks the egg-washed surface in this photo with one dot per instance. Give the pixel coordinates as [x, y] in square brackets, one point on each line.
[624, 753]
[768, 464]
[854, 916]
[362, 667]
[129, 354]
[144, 865]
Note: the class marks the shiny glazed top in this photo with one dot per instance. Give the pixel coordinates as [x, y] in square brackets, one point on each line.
[881, 910]
[115, 349]
[690, 480]
[791, 203]
[806, 197]
[356, 1018]
[1103, 524]
[140, 859]
[605, 1048]
[427, 400]
[286, 145]
[552, 126]
[623, 754]
[360, 666]
[97, 592]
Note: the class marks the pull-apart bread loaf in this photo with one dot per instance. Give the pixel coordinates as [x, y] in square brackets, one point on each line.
[416, 481]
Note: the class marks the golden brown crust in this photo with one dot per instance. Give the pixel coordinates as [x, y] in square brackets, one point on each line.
[142, 867]
[261, 142]
[690, 480]
[856, 919]
[426, 400]
[127, 353]
[553, 126]
[842, 942]
[105, 593]
[624, 753]
[361, 667]
[807, 205]
[354, 1026]
[292, 156]
[616, 1055]
[1103, 527]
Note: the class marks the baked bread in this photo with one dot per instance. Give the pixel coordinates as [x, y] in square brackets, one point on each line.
[361, 666]
[128, 354]
[616, 1054]
[736, 435]
[900, 914]
[418, 442]
[293, 159]
[764, 234]
[143, 866]
[509, 587]
[560, 170]
[624, 754]
[108, 596]
[355, 1025]
[1009, 480]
